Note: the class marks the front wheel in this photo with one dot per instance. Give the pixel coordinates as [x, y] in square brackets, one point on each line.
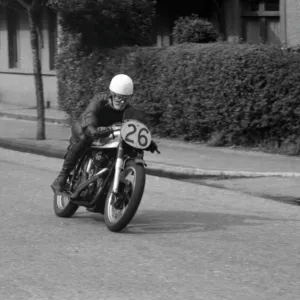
[119, 210]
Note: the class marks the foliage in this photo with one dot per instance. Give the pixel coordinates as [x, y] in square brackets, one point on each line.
[295, 48]
[108, 23]
[192, 29]
[244, 94]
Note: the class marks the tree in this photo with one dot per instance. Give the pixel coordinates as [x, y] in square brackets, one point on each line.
[192, 29]
[108, 23]
[33, 9]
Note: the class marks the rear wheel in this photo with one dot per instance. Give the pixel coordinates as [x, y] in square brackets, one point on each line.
[62, 205]
[119, 210]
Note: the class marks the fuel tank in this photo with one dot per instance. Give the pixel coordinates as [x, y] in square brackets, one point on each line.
[110, 142]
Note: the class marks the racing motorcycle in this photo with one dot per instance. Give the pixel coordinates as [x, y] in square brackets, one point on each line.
[110, 176]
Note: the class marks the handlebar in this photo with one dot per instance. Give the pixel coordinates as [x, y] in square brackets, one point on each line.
[156, 150]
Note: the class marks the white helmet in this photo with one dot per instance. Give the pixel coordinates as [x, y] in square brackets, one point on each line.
[121, 84]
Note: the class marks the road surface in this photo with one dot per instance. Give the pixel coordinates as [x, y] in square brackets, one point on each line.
[187, 241]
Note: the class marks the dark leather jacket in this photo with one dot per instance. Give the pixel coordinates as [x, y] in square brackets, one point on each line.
[98, 113]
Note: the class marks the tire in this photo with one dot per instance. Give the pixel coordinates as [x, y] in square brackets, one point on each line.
[63, 208]
[116, 225]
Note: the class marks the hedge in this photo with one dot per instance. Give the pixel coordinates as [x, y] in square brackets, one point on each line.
[243, 94]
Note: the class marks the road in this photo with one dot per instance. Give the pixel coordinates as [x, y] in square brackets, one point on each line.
[187, 241]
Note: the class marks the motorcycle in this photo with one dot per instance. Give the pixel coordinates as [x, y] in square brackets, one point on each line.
[110, 176]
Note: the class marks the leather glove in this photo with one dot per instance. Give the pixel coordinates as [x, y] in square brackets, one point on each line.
[94, 132]
[153, 147]
[104, 131]
[90, 131]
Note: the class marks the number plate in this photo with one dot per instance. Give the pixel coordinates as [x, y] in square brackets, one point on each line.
[136, 134]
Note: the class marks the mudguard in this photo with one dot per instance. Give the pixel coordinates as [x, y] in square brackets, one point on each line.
[137, 160]
[140, 161]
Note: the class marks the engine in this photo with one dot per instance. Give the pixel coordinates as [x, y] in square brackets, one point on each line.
[101, 159]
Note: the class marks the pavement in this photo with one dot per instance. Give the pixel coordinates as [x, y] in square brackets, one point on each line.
[271, 176]
[178, 159]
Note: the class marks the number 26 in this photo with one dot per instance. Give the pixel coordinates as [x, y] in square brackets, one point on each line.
[141, 138]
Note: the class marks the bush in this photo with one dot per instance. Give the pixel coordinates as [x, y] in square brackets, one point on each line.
[295, 48]
[192, 29]
[242, 94]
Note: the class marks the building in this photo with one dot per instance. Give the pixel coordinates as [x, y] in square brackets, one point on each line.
[16, 68]
[254, 21]
[271, 21]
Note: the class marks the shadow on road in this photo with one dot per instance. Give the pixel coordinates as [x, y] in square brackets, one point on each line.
[188, 221]
[158, 222]
[285, 199]
[219, 184]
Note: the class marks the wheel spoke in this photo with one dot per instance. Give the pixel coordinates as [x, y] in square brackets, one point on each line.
[115, 214]
[129, 181]
[62, 201]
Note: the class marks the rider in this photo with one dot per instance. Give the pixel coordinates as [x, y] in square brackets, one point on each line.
[98, 117]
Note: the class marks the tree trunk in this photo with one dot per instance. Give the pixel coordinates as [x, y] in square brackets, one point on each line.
[37, 72]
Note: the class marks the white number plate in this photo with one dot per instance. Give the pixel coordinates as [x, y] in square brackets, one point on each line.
[136, 134]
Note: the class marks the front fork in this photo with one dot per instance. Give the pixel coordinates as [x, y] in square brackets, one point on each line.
[118, 169]
[119, 166]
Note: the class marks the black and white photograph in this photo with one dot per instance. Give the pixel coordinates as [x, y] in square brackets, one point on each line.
[149, 150]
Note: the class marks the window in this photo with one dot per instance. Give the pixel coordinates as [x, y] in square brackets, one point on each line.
[13, 21]
[52, 29]
[1, 25]
[272, 5]
[261, 21]
[41, 30]
[254, 5]
[260, 5]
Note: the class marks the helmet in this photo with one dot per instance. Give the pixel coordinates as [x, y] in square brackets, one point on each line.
[121, 84]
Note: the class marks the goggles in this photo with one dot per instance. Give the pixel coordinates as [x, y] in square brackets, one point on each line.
[120, 98]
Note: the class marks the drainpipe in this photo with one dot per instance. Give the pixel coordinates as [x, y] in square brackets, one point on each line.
[283, 21]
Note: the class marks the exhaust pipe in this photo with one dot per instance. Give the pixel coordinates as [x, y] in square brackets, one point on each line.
[84, 185]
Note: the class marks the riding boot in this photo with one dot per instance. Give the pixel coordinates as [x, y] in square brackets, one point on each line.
[69, 164]
[60, 182]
